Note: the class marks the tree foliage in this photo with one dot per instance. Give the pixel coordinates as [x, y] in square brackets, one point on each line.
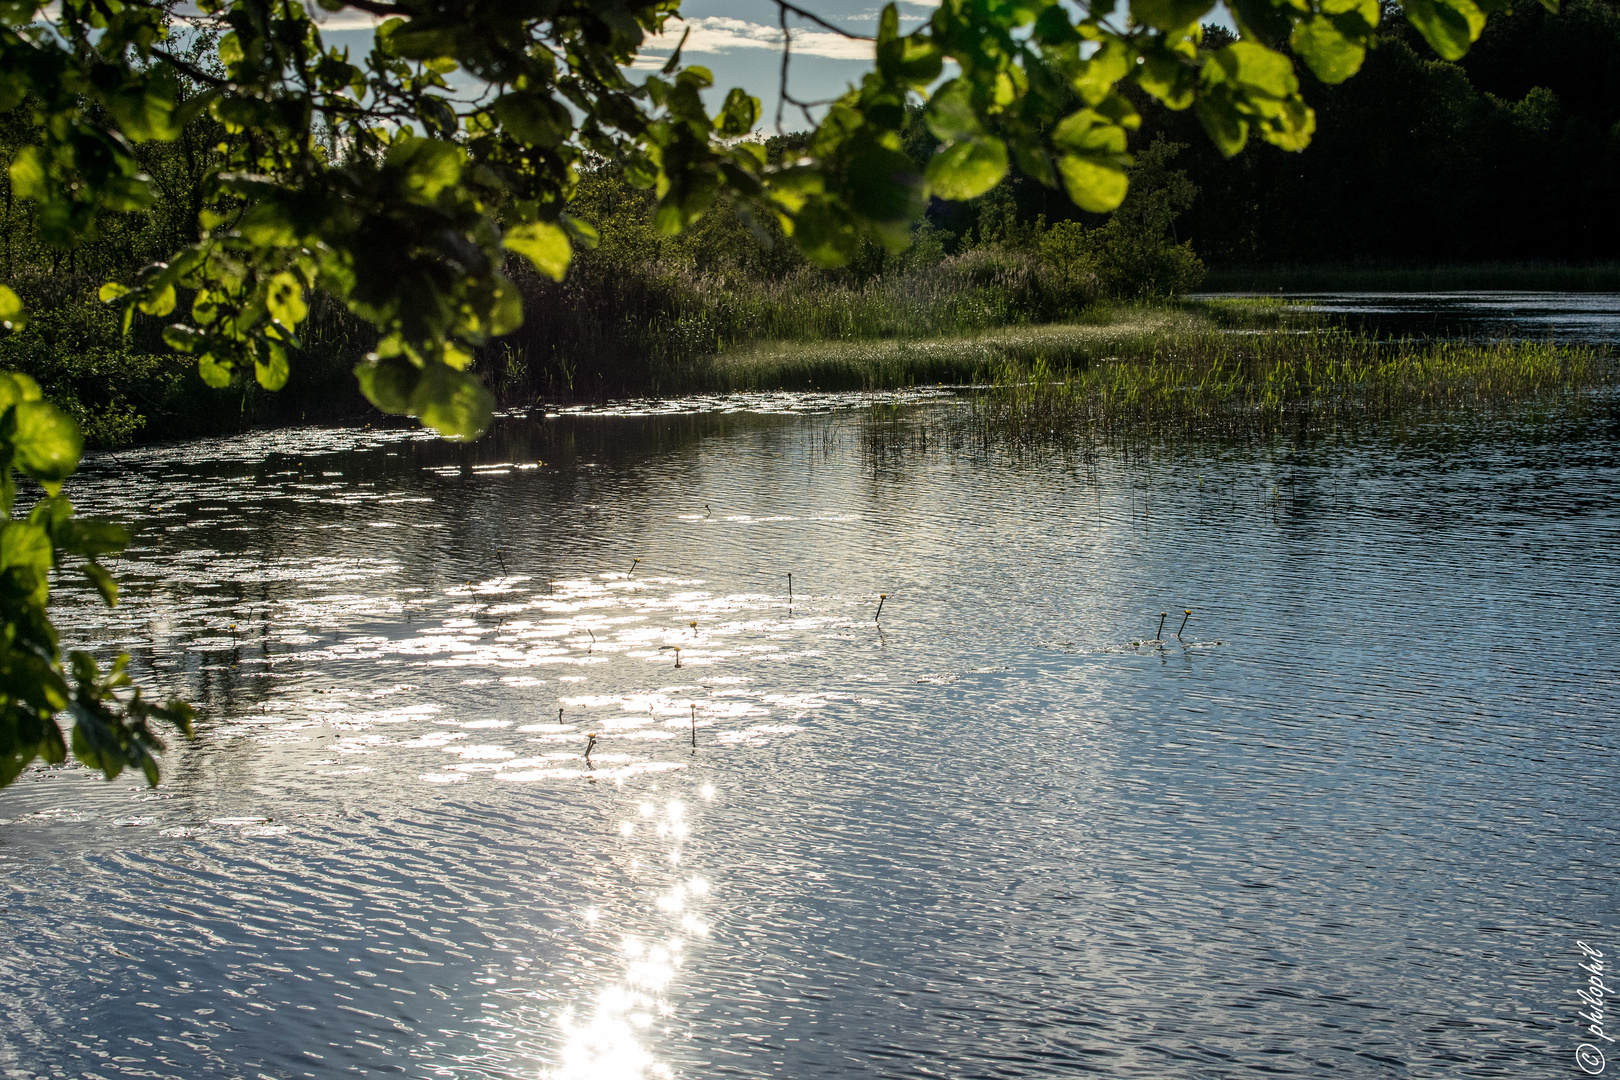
[370, 180]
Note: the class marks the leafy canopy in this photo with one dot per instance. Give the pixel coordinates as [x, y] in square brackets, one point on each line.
[371, 179]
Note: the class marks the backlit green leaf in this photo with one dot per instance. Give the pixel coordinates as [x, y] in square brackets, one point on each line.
[23, 544]
[271, 368]
[453, 403]
[388, 383]
[103, 581]
[1095, 184]
[47, 441]
[286, 300]
[430, 165]
[1331, 56]
[951, 114]
[507, 313]
[214, 372]
[738, 115]
[15, 387]
[543, 244]
[1449, 26]
[968, 169]
[824, 232]
[534, 118]
[12, 316]
[28, 179]
[159, 303]
[1226, 127]
[1169, 14]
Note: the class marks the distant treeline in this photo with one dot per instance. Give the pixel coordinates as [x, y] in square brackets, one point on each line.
[1511, 155]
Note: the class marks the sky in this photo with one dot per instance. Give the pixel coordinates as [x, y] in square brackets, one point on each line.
[740, 41]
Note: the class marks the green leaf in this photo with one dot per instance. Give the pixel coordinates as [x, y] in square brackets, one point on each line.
[1052, 27]
[884, 185]
[268, 224]
[543, 244]
[1168, 78]
[1330, 55]
[582, 232]
[103, 581]
[28, 179]
[1449, 26]
[15, 387]
[181, 338]
[286, 300]
[91, 537]
[47, 441]
[738, 115]
[1257, 68]
[1169, 15]
[159, 303]
[914, 59]
[951, 114]
[533, 118]
[12, 316]
[388, 382]
[968, 169]
[271, 369]
[1095, 184]
[506, 314]
[453, 403]
[214, 373]
[430, 165]
[1098, 76]
[1227, 128]
[112, 291]
[824, 233]
[24, 544]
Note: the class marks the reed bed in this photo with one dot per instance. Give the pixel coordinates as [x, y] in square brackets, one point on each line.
[1265, 384]
[1099, 332]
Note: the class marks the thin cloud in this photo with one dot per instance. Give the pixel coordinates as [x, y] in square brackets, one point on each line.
[347, 19]
[719, 34]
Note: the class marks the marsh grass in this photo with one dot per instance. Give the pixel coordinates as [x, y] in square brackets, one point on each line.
[1263, 384]
[1098, 333]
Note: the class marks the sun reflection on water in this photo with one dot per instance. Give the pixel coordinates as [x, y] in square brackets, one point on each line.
[609, 1039]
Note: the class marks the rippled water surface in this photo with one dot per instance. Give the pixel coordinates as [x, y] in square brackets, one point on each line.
[1353, 818]
[1586, 318]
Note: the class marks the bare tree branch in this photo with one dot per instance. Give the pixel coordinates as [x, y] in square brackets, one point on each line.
[811, 16]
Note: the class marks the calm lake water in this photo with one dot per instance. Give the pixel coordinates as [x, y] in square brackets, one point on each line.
[1354, 818]
[1586, 318]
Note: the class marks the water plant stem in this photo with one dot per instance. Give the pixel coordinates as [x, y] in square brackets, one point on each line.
[1183, 626]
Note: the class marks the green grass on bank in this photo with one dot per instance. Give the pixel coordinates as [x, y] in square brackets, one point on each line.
[892, 363]
[1234, 385]
[1489, 276]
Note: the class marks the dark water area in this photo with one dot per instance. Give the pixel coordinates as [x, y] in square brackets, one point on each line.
[1356, 817]
[1573, 318]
